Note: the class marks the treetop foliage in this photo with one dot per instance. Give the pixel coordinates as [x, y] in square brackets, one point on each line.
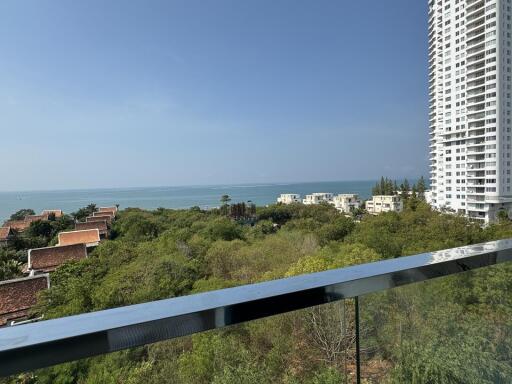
[167, 253]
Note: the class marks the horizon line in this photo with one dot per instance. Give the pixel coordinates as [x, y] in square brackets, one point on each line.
[247, 184]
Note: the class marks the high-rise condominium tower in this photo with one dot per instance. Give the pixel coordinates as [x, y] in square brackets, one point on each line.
[470, 106]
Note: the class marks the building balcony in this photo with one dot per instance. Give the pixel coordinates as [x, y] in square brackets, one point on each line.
[475, 191]
[475, 75]
[475, 58]
[479, 64]
[470, 3]
[475, 16]
[476, 116]
[476, 91]
[475, 100]
[475, 151]
[371, 321]
[475, 41]
[475, 108]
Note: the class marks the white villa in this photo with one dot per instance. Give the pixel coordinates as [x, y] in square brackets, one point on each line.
[289, 198]
[318, 197]
[429, 197]
[382, 203]
[346, 203]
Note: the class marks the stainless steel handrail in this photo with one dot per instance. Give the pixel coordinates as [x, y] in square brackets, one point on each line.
[31, 346]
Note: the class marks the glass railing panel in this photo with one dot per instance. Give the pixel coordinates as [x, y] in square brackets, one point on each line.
[313, 346]
[454, 329]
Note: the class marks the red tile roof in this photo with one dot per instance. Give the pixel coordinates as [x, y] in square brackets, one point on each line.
[17, 225]
[5, 233]
[108, 209]
[57, 212]
[90, 237]
[99, 225]
[32, 218]
[19, 295]
[111, 214]
[106, 218]
[49, 258]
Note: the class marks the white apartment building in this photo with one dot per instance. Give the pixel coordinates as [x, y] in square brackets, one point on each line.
[383, 203]
[289, 198]
[470, 106]
[318, 197]
[346, 203]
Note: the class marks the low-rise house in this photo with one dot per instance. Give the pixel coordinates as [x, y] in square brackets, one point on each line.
[97, 214]
[17, 225]
[6, 235]
[18, 296]
[428, 197]
[49, 258]
[89, 237]
[112, 210]
[32, 218]
[99, 225]
[56, 212]
[384, 203]
[346, 203]
[106, 218]
[289, 198]
[318, 197]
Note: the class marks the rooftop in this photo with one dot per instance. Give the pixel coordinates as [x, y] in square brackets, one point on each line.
[17, 225]
[5, 233]
[108, 209]
[89, 237]
[19, 295]
[32, 218]
[107, 218]
[49, 258]
[100, 225]
[104, 213]
[57, 212]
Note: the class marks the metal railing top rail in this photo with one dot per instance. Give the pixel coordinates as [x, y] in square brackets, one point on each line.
[36, 345]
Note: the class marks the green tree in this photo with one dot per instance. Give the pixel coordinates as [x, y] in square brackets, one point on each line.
[405, 189]
[20, 215]
[82, 213]
[225, 199]
[502, 215]
[40, 228]
[10, 266]
[421, 187]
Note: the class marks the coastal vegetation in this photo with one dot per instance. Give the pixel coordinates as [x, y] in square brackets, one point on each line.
[38, 234]
[453, 330]
[390, 187]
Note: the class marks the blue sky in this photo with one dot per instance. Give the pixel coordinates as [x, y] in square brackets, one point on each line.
[126, 93]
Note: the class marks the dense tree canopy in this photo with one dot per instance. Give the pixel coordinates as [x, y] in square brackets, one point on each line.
[167, 253]
[20, 215]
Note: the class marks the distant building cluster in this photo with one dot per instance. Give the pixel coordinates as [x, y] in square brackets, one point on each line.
[347, 202]
[18, 296]
[384, 203]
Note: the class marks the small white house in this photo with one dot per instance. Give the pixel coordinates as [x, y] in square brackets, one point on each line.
[288, 198]
[346, 203]
[318, 197]
[429, 197]
[383, 203]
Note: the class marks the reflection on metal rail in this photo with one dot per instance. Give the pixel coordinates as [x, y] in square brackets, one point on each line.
[30, 346]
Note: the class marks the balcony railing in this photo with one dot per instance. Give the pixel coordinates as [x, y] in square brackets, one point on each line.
[45, 343]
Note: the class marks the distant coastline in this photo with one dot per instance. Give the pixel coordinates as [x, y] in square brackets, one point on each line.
[177, 197]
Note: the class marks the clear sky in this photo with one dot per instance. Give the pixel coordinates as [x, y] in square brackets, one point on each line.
[126, 93]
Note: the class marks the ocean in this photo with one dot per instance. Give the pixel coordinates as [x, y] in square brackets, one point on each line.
[169, 197]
